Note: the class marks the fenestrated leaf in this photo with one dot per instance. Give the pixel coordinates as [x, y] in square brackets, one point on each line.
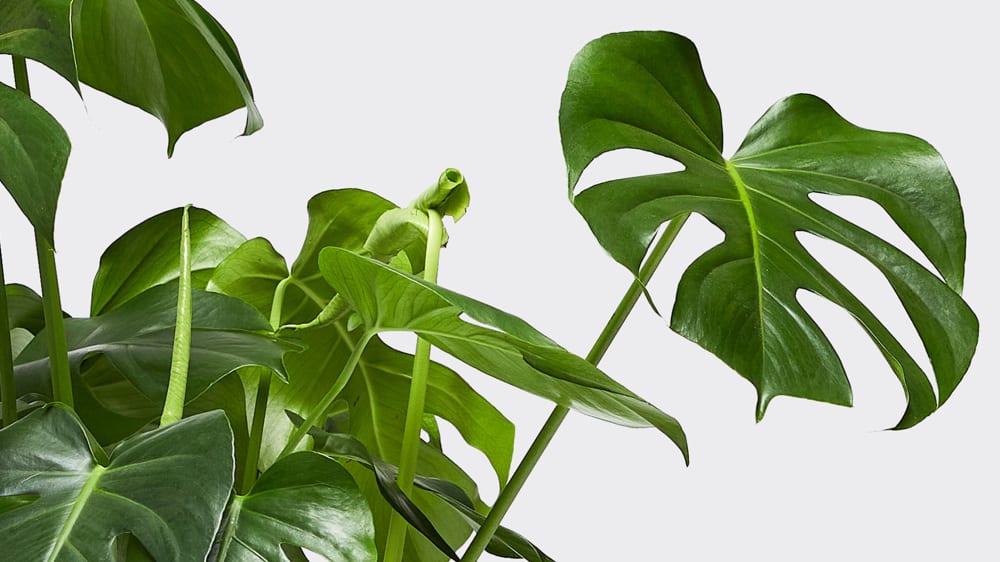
[39, 30]
[505, 542]
[305, 500]
[170, 58]
[387, 299]
[34, 150]
[147, 255]
[137, 339]
[646, 90]
[72, 507]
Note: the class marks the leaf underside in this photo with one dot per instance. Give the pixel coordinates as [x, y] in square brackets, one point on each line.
[647, 91]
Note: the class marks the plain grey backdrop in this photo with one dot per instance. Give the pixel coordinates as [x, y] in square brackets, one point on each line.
[385, 96]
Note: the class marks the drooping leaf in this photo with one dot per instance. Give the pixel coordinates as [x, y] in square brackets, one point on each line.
[305, 500]
[73, 507]
[389, 300]
[34, 150]
[505, 542]
[39, 30]
[137, 338]
[24, 308]
[646, 90]
[148, 255]
[169, 58]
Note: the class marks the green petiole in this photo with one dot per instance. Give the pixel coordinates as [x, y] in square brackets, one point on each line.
[8, 388]
[552, 424]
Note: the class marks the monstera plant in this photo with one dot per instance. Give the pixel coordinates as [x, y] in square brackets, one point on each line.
[219, 404]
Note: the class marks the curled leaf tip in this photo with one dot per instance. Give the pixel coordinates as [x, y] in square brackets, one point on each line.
[449, 197]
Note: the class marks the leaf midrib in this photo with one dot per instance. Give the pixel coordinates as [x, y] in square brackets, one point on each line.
[78, 504]
[741, 190]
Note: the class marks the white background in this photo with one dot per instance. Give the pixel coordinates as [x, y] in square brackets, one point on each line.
[384, 97]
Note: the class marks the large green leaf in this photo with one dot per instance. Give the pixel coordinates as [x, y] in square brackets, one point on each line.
[387, 299]
[305, 500]
[136, 339]
[646, 90]
[167, 488]
[34, 150]
[24, 308]
[39, 30]
[170, 58]
[149, 253]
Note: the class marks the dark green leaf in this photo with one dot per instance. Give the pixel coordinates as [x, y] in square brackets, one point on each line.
[505, 542]
[24, 308]
[304, 500]
[34, 150]
[514, 352]
[738, 300]
[170, 58]
[39, 30]
[137, 338]
[149, 253]
[80, 506]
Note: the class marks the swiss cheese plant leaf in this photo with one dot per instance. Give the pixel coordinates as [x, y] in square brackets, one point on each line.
[148, 255]
[304, 500]
[167, 488]
[169, 58]
[505, 542]
[39, 30]
[136, 339]
[510, 350]
[34, 150]
[646, 90]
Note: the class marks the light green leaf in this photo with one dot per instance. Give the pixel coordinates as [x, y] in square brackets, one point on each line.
[34, 150]
[251, 273]
[39, 30]
[169, 58]
[148, 255]
[73, 507]
[137, 339]
[646, 90]
[304, 500]
[387, 299]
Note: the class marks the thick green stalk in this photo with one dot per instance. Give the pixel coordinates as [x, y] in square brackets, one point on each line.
[263, 391]
[548, 431]
[62, 384]
[173, 407]
[396, 539]
[8, 389]
[331, 395]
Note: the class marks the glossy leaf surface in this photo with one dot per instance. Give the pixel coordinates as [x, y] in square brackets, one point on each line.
[137, 339]
[387, 299]
[647, 91]
[505, 542]
[147, 255]
[170, 58]
[305, 500]
[24, 308]
[72, 506]
[39, 30]
[34, 150]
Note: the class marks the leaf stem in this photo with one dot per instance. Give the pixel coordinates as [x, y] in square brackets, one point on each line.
[331, 395]
[8, 387]
[62, 384]
[173, 407]
[263, 392]
[396, 538]
[552, 424]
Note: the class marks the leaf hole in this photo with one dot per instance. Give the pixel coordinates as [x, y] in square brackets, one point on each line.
[625, 163]
[870, 216]
[868, 284]
[698, 236]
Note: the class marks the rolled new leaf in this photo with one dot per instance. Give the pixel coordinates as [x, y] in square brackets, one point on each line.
[647, 91]
[387, 299]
